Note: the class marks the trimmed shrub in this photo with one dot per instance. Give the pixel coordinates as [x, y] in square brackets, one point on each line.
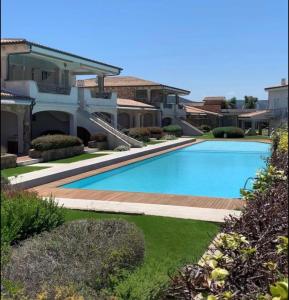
[169, 137]
[205, 128]
[24, 214]
[98, 137]
[87, 254]
[155, 132]
[121, 148]
[56, 141]
[230, 132]
[173, 129]
[139, 133]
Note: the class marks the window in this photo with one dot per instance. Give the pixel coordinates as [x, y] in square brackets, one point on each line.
[141, 94]
[45, 75]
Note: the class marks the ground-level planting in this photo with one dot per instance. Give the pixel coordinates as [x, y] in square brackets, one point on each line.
[79, 157]
[20, 170]
[169, 243]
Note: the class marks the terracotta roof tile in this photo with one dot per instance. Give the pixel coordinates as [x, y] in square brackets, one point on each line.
[196, 111]
[6, 94]
[214, 98]
[118, 81]
[129, 102]
[258, 113]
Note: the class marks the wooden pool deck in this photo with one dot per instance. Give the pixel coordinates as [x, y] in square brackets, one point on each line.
[53, 188]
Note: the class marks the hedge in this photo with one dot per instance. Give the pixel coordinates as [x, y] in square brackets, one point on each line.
[230, 132]
[139, 133]
[55, 141]
[88, 255]
[173, 129]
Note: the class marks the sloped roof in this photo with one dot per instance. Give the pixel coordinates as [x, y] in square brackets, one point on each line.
[196, 111]
[126, 81]
[6, 94]
[215, 98]
[10, 41]
[277, 87]
[129, 102]
[255, 114]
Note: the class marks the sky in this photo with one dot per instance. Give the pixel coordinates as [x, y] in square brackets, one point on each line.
[226, 48]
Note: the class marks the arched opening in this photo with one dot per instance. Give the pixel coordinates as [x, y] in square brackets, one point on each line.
[148, 120]
[50, 122]
[166, 121]
[123, 120]
[84, 135]
[9, 132]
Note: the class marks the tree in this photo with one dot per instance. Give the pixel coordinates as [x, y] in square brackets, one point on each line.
[250, 102]
[232, 102]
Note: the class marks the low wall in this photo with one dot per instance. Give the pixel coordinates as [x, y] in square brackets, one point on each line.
[8, 161]
[55, 154]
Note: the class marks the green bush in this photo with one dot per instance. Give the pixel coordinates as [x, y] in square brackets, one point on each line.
[173, 129]
[139, 133]
[98, 137]
[230, 132]
[87, 254]
[24, 214]
[205, 128]
[55, 141]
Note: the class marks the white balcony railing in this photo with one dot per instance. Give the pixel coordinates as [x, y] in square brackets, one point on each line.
[88, 99]
[30, 88]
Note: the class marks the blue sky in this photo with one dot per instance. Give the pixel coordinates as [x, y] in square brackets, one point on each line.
[224, 47]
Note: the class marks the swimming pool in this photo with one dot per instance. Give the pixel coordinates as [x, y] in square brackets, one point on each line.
[210, 168]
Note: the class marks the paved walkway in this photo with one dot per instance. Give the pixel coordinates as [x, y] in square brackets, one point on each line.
[183, 212]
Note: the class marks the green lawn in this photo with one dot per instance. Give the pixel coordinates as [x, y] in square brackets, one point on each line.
[209, 135]
[79, 157]
[20, 170]
[170, 243]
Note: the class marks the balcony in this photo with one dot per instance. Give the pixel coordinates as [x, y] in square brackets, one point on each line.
[44, 94]
[175, 110]
[91, 101]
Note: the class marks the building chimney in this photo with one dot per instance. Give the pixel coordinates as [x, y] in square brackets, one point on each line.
[283, 81]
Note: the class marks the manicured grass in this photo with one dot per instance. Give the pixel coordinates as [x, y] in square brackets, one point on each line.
[170, 243]
[20, 170]
[209, 135]
[79, 157]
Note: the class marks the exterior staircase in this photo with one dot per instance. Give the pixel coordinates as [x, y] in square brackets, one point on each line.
[97, 118]
[188, 128]
[95, 123]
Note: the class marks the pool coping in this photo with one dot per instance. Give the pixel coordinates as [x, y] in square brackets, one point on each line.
[60, 171]
[55, 188]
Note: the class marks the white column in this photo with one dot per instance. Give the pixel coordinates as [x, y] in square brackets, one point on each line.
[73, 125]
[20, 133]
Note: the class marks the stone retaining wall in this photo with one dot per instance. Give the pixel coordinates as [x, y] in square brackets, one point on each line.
[8, 161]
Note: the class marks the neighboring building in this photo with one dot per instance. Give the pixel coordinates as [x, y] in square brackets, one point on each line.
[278, 104]
[162, 105]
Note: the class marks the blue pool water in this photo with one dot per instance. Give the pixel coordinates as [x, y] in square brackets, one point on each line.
[211, 168]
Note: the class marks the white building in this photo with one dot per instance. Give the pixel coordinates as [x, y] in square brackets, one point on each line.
[278, 104]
